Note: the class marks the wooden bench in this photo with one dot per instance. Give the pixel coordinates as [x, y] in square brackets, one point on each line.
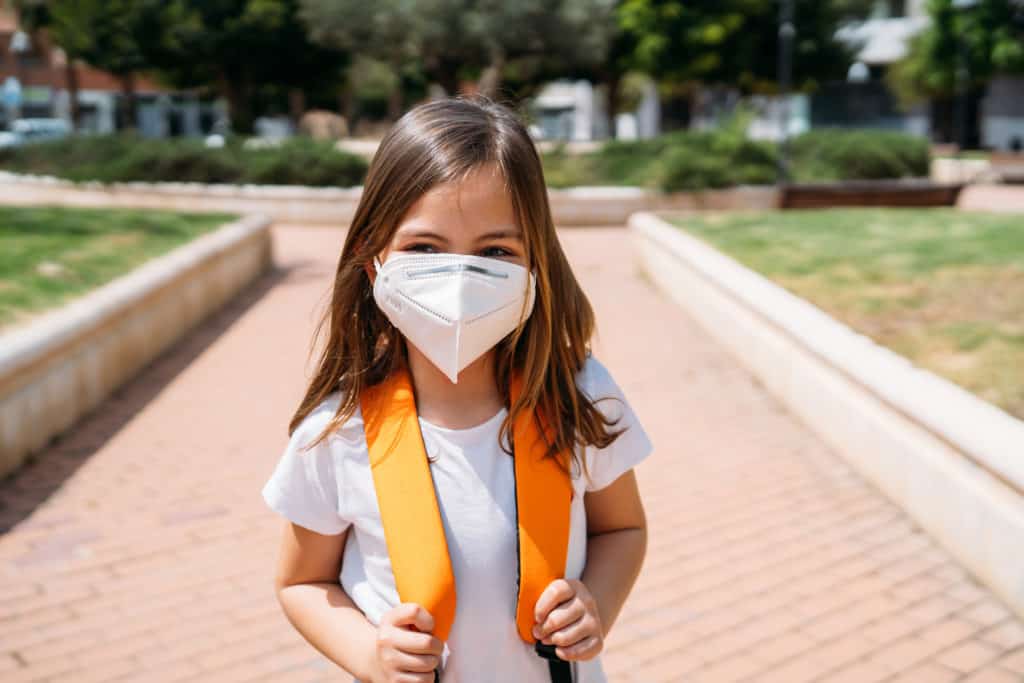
[868, 193]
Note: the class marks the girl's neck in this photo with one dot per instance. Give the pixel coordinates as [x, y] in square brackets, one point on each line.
[472, 401]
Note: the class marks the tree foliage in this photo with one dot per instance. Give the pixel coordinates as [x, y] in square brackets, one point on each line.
[735, 42]
[511, 46]
[235, 47]
[982, 41]
[103, 33]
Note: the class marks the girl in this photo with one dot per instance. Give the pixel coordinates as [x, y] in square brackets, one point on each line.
[455, 311]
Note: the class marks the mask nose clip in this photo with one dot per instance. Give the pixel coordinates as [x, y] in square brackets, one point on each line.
[453, 307]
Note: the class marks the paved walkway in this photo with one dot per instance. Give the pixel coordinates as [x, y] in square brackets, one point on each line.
[137, 548]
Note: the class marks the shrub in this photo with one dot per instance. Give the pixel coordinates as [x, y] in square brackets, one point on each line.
[715, 159]
[129, 157]
[304, 162]
[692, 160]
[860, 154]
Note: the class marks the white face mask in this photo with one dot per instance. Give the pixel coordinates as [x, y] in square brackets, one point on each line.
[453, 307]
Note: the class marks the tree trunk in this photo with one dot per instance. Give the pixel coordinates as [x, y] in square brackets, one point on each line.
[973, 123]
[347, 108]
[612, 101]
[395, 104]
[234, 90]
[943, 120]
[490, 79]
[130, 109]
[676, 111]
[395, 97]
[296, 104]
[449, 80]
[71, 80]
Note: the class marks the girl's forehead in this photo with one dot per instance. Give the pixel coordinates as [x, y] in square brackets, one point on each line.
[478, 202]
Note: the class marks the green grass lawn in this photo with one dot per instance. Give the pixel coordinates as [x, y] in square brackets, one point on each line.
[49, 255]
[945, 288]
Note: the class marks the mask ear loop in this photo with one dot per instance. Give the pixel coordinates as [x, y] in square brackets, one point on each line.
[531, 295]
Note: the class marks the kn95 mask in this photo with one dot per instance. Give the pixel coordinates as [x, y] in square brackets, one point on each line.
[453, 307]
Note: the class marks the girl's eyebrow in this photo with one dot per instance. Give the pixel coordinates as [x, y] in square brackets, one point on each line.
[497, 234]
[500, 234]
[423, 233]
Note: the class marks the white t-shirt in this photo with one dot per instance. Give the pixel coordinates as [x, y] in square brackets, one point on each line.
[330, 487]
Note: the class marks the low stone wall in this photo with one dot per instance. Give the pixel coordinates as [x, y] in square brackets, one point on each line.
[951, 460]
[614, 205]
[60, 366]
[283, 203]
[952, 170]
[998, 198]
[591, 206]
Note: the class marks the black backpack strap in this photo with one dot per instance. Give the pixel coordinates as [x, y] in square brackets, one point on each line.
[560, 669]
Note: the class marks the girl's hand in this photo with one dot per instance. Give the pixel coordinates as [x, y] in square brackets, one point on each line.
[406, 651]
[566, 616]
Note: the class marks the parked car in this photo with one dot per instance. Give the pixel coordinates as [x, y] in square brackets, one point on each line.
[26, 131]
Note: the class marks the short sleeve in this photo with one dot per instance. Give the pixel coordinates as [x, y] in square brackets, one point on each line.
[605, 465]
[304, 484]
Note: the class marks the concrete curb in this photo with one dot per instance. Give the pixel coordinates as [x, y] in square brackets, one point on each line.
[281, 203]
[994, 198]
[954, 462]
[292, 203]
[59, 366]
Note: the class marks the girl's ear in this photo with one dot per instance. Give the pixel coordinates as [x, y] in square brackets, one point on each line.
[371, 269]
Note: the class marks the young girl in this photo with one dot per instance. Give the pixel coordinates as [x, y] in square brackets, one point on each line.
[455, 311]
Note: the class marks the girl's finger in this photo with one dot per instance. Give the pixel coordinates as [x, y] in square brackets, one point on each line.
[581, 650]
[410, 677]
[568, 636]
[416, 642]
[412, 663]
[557, 592]
[561, 616]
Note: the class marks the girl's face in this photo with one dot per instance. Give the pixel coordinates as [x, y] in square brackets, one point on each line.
[474, 216]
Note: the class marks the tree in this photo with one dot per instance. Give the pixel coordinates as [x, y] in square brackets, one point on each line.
[507, 46]
[691, 43]
[69, 33]
[386, 31]
[236, 47]
[112, 41]
[960, 50]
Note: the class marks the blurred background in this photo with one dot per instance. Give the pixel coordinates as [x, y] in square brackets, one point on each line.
[800, 223]
[582, 71]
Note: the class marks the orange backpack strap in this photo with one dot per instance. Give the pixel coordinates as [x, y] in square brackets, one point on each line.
[405, 493]
[412, 521]
[543, 499]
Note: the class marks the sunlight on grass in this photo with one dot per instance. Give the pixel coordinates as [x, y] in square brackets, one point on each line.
[943, 287]
[48, 255]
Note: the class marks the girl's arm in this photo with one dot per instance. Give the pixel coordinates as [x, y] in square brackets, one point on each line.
[616, 544]
[315, 603]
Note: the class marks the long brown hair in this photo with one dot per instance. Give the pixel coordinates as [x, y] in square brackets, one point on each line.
[440, 142]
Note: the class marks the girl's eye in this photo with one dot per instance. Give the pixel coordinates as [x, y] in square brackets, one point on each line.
[496, 252]
[422, 247]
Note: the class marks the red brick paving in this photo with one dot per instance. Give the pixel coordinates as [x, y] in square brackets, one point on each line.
[137, 547]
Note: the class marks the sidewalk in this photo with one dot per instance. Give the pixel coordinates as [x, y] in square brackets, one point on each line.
[138, 549]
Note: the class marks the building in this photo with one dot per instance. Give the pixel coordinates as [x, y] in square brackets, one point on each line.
[576, 111]
[864, 99]
[34, 77]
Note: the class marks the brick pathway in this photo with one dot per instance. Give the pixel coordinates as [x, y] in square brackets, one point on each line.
[137, 547]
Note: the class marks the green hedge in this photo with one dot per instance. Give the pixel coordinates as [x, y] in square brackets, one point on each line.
[694, 160]
[832, 154]
[680, 160]
[127, 157]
